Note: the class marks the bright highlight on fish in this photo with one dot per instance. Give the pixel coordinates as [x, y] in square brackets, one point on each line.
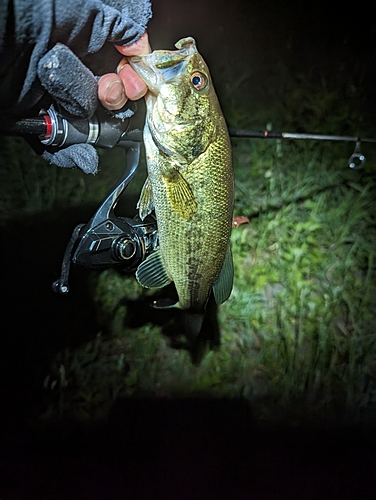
[190, 182]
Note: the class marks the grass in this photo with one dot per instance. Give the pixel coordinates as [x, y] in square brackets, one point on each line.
[310, 266]
[298, 334]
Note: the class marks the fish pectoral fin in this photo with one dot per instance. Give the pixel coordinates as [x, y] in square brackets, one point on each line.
[180, 195]
[145, 204]
[223, 285]
[152, 273]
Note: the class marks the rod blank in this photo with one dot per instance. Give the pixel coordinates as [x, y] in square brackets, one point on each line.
[287, 135]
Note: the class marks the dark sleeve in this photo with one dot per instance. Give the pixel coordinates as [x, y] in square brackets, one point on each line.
[89, 28]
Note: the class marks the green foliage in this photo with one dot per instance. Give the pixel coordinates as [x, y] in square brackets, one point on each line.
[309, 264]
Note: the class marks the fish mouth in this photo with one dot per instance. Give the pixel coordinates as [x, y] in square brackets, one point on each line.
[164, 65]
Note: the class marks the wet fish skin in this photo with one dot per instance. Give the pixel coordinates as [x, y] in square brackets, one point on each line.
[190, 177]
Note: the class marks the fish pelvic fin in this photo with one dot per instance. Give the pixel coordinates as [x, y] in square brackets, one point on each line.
[165, 304]
[223, 285]
[191, 322]
[180, 195]
[145, 204]
[151, 273]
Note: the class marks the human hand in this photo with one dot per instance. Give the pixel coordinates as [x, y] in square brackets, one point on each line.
[114, 89]
[68, 43]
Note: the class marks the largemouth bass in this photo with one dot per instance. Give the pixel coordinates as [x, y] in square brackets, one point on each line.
[190, 182]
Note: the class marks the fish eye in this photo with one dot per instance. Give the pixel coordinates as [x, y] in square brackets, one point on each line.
[199, 80]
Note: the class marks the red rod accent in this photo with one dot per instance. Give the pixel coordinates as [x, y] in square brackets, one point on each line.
[48, 122]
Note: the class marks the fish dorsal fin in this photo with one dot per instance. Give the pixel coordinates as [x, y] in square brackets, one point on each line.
[223, 285]
[152, 273]
[145, 204]
[180, 195]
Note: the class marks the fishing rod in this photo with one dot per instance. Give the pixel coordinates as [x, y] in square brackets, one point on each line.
[58, 130]
[356, 160]
[108, 240]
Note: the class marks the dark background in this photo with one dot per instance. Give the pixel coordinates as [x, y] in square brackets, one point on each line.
[181, 449]
[247, 43]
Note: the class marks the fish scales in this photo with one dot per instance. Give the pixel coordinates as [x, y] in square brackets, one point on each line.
[190, 176]
[194, 250]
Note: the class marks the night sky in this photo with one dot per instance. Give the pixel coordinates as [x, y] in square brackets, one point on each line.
[246, 42]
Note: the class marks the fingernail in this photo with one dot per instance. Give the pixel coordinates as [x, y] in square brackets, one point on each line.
[115, 93]
[138, 96]
[121, 65]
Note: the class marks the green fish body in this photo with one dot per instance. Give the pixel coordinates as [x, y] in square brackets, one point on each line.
[190, 182]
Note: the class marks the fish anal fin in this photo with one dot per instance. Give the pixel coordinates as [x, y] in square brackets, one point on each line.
[180, 195]
[145, 204]
[223, 285]
[151, 273]
[192, 323]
